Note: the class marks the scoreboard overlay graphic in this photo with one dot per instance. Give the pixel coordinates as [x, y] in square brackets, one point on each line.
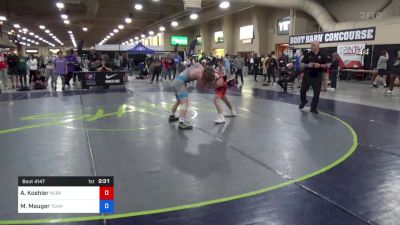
[65, 194]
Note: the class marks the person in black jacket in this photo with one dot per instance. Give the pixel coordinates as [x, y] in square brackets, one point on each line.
[256, 66]
[314, 63]
[394, 72]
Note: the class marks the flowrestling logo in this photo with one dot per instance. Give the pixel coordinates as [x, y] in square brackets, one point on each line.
[104, 118]
[73, 120]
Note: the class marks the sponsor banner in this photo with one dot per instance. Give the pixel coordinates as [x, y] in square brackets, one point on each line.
[101, 78]
[360, 34]
[351, 55]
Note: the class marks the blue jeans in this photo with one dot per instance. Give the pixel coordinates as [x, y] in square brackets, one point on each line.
[334, 78]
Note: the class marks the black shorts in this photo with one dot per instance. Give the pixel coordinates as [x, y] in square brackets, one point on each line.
[381, 72]
[21, 72]
[12, 71]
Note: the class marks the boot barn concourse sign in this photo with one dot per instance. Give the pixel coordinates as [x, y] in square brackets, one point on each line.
[361, 34]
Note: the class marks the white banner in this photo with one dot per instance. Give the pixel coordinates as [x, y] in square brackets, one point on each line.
[360, 34]
[352, 55]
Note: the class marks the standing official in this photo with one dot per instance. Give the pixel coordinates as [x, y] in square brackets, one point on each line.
[314, 64]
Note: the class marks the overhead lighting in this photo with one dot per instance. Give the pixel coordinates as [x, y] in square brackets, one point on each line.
[69, 32]
[120, 26]
[136, 38]
[151, 33]
[224, 5]
[66, 21]
[41, 39]
[60, 5]
[23, 38]
[143, 36]
[25, 30]
[108, 36]
[156, 0]
[42, 27]
[36, 36]
[3, 18]
[64, 16]
[194, 16]
[111, 34]
[31, 33]
[131, 40]
[128, 20]
[51, 34]
[162, 28]
[47, 31]
[174, 24]
[138, 6]
[84, 29]
[115, 30]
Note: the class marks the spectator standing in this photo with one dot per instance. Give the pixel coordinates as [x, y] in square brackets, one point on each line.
[177, 62]
[335, 71]
[22, 65]
[94, 59]
[71, 62]
[395, 73]
[125, 66]
[239, 64]
[49, 71]
[227, 65]
[12, 61]
[33, 67]
[3, 71]
[156, 69]
[78, 66]
[170, 63]
[272, 67]
[60, 69]
[256, 66]
[381, 66]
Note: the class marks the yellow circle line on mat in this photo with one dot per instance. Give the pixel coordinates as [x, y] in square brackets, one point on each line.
[204, 203]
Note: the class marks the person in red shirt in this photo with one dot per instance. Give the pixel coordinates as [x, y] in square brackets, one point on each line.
[170, 64]
[164, 68]
[221, 87]
[3, 71]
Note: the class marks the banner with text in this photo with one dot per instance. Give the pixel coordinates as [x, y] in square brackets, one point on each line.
[361, 34]
[351, 55]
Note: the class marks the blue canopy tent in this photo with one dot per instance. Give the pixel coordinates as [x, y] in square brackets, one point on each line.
[141, 49]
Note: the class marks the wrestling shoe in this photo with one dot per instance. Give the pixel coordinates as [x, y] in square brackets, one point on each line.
[220, 120]
[232, 114]
[185, 126]
[173, 118]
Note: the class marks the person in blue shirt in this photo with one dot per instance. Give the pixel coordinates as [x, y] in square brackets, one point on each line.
[177, 60]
